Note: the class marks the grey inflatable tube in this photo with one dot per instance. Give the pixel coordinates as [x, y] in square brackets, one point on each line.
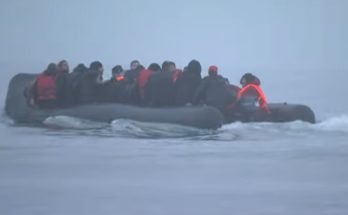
[279, 112]
[18, 109]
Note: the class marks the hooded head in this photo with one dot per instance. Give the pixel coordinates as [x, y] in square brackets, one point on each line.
[134, 64]
[63, 67]
[154, 67]
[139, 68]
[213, 70]
[80, 68]
[165, 65]
[117, 70]
[194, 67]
[249, 78]
[168, 66]
[97, 70]
[171, 66]
[96, 66]
[51, 69]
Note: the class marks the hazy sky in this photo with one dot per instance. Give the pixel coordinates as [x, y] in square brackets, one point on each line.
[245, 34]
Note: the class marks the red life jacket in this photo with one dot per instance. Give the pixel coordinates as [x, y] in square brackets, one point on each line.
[142, 79]
[259, 93]
[46, 87]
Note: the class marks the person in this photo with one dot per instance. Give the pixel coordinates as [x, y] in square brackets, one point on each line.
[132, 74]
[62, 84]
[117, 73]
[143, 78]
[114, 89]
[159, 89]
[134, 64]
[165, 65]
[63, 67]
[43, 91]
[187, 83]
[176, 74]
[213, 90]
[145, 90]
[74, 82]
[90, 85]
[251, 92]
[154, 67]
[171, 68]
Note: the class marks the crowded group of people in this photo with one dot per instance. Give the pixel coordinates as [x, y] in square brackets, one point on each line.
[154, 86]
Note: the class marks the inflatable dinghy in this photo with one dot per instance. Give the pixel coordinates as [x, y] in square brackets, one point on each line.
[18, 109]
[198, 116]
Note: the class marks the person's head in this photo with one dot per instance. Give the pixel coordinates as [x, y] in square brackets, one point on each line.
[139, 68]
[194, 67]
[80, 68]
[165, 65]
[63, 67]
[134, 64]
[96, 66]
[51, 69]
[171, 66]
[154, 67]
[213, 70]
[117, 70]
[249, 78]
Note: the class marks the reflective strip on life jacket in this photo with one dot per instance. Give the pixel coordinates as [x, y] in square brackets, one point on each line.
[119, 77]
[261, 96]
[46, 87]
[176, 74]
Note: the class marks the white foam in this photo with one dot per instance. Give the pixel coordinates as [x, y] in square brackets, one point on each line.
[73, 123]
[339, 123]
[148, 129]
[333, 124]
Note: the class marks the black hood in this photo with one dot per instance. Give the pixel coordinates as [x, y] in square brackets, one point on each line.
[194, 67]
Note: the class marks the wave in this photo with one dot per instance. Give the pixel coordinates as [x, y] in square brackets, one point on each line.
[156, 130]
[124, 128]
[337, 124]
[235, 131]
[67, 122]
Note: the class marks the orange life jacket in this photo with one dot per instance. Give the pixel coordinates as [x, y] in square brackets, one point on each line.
[119, 77]
[260, 95]
[142, 79]
[46, 87]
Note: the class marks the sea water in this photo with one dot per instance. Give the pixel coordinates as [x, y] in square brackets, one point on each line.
[74, 166]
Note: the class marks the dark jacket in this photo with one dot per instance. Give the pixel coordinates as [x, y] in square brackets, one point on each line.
[74, 80]
[63, 90]
[89, 89]
[186, 86]
[159, 90]
[114, 91]
[132, 75]
[213, 91]
[187, 83]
